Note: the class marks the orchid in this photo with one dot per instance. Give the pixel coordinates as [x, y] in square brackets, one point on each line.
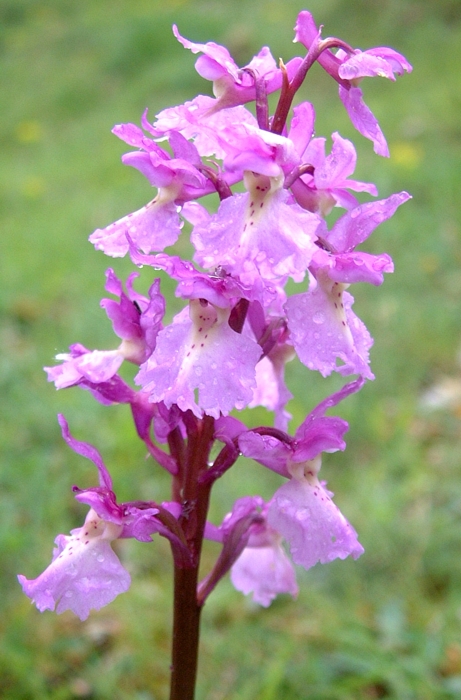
[326, 182]
[348, 67]
[85, 573]
[302, 510]
[241, 320]
[264, 569]
[135, 319]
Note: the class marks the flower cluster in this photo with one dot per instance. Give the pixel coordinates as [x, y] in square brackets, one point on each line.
[228, 347]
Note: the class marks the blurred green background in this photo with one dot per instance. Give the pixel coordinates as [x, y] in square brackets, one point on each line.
[385, 626]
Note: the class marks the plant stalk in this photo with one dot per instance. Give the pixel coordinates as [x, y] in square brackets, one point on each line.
[186, 617]
[186, 630]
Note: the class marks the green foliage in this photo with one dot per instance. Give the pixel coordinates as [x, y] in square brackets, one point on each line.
[386, 626]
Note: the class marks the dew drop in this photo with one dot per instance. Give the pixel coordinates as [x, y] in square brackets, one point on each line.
[68, 594]
[318, 317]
[100, 558]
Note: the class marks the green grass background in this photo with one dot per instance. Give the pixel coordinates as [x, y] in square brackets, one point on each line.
[386, 626]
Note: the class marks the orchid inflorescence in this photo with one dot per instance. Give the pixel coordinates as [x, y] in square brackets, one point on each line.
[227, 349]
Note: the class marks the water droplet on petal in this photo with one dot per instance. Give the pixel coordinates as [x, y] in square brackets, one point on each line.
[318, 317]
[100, 558]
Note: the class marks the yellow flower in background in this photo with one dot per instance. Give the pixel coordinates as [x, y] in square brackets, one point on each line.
[407, 155]
[29, 131]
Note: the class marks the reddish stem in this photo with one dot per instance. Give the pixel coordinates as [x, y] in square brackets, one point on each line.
[195, 500]
[289, 89]
[186, 629]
